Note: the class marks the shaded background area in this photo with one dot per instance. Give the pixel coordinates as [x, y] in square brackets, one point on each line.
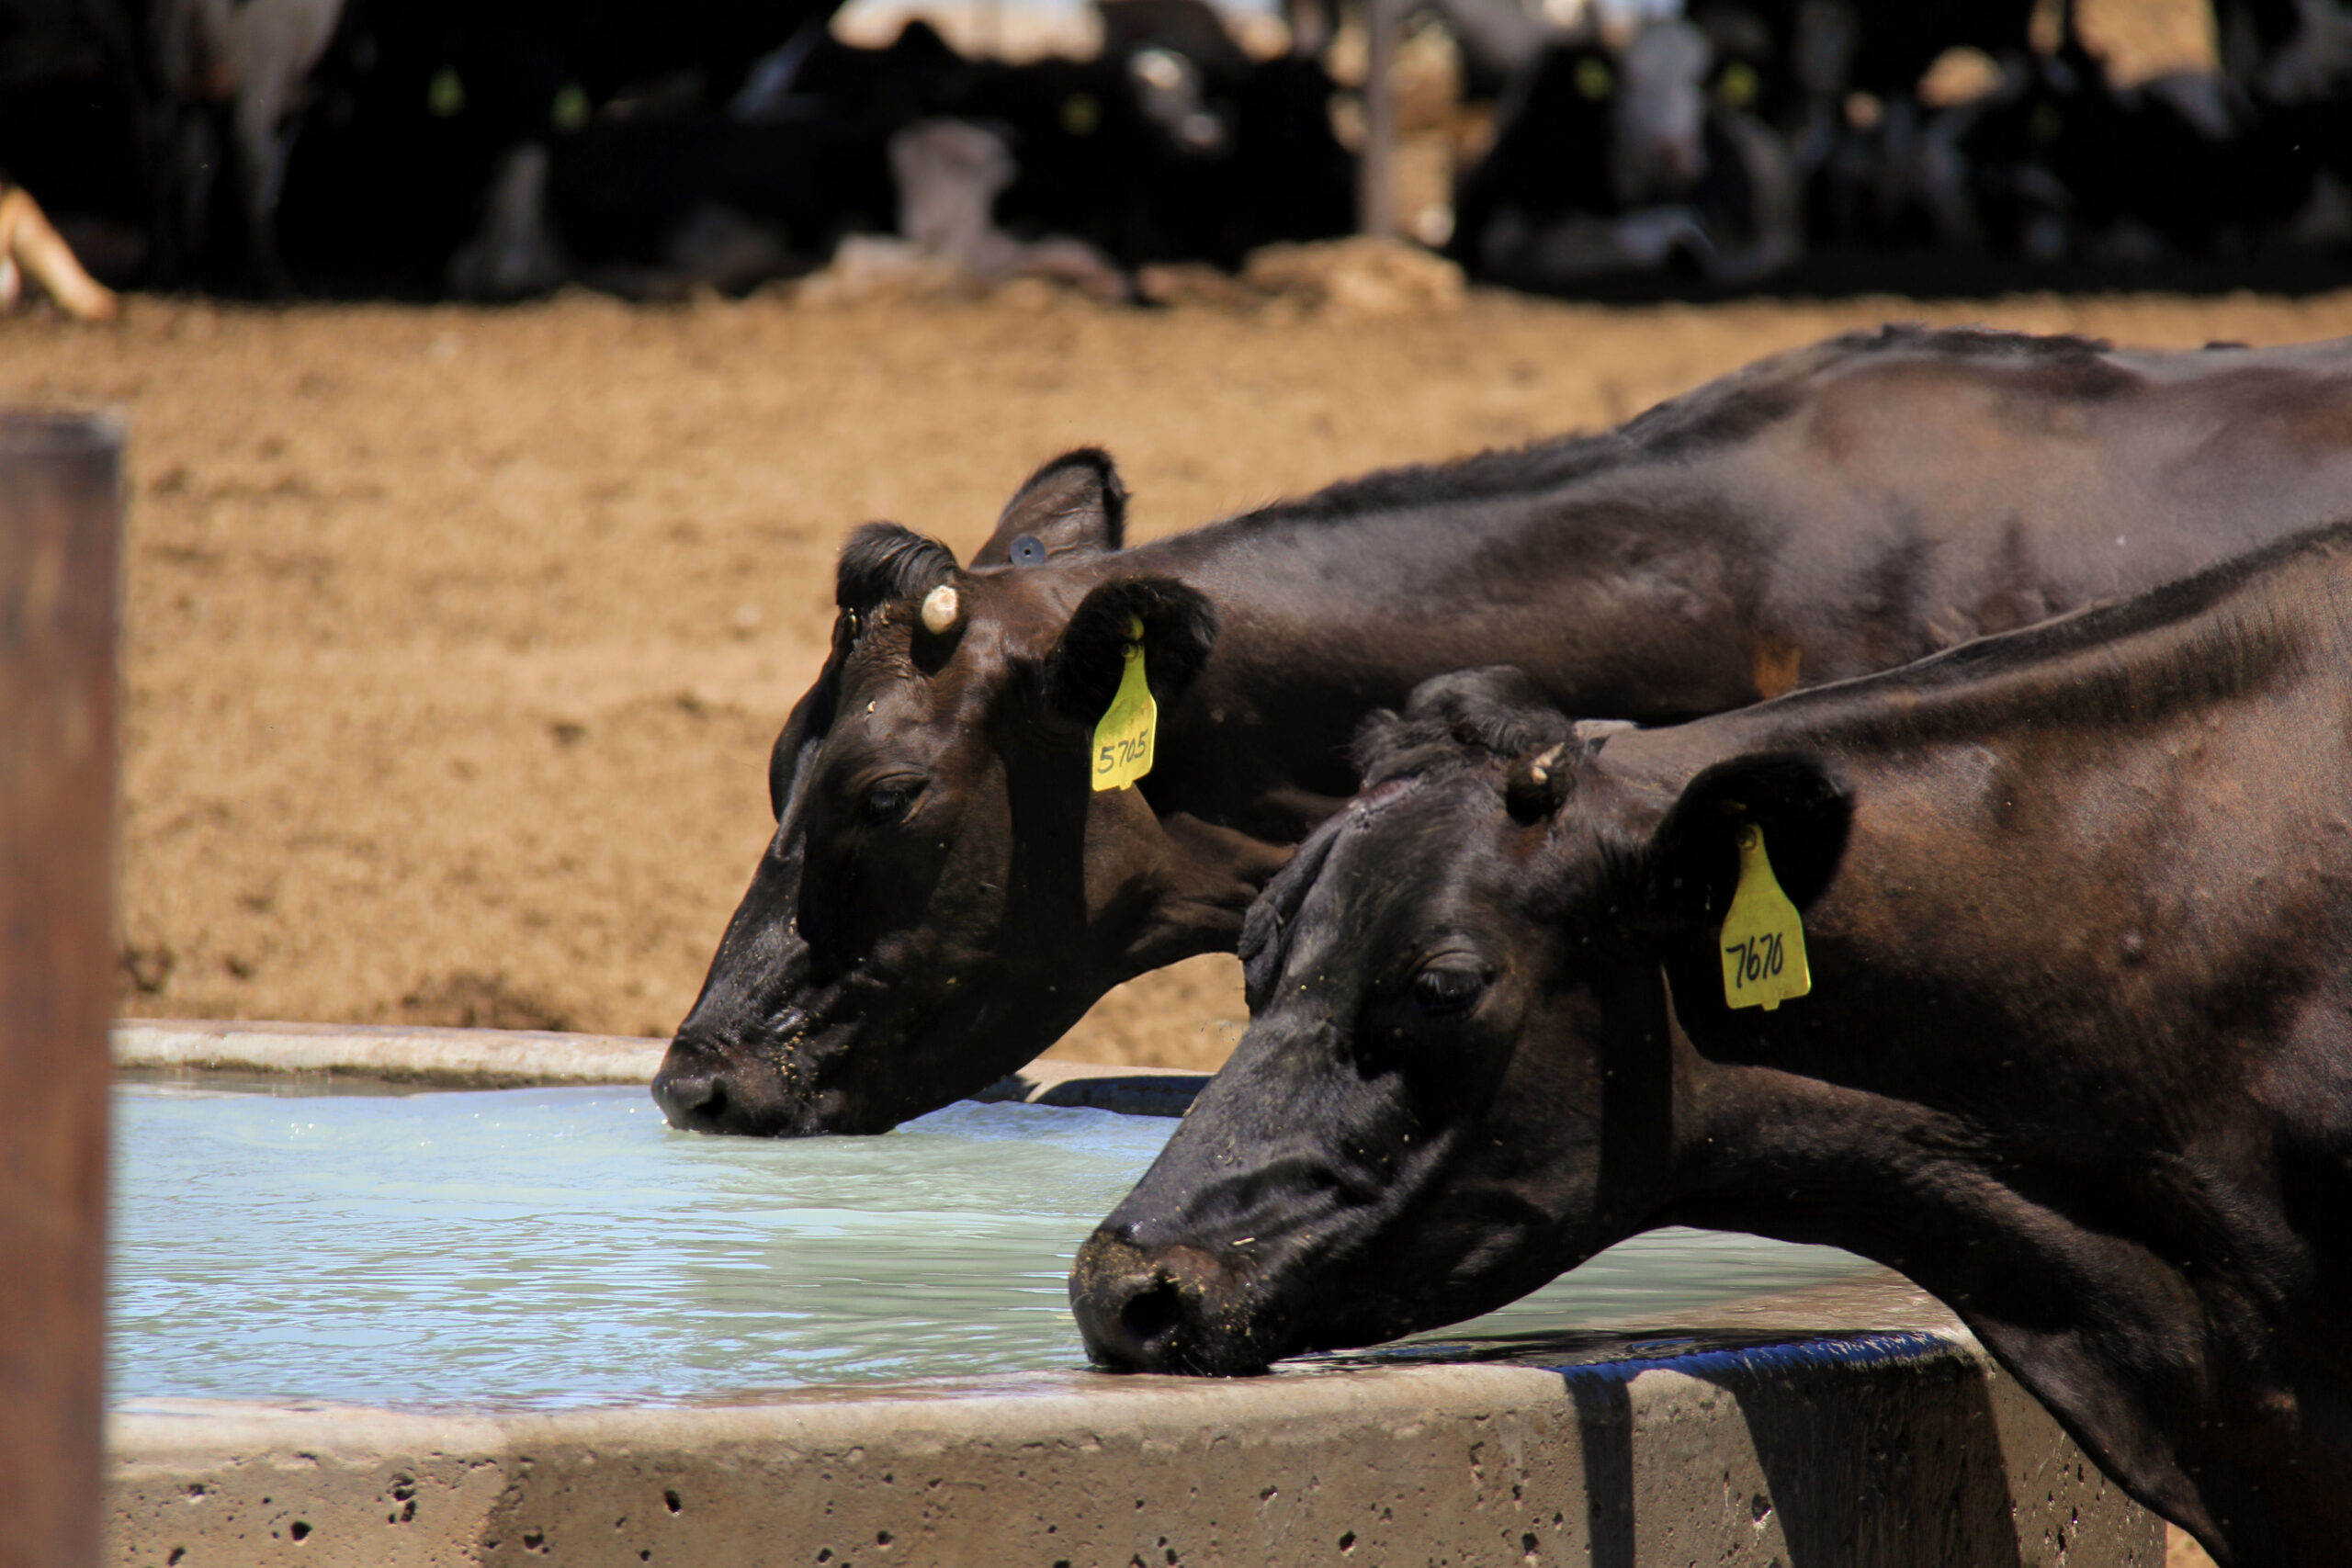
[362, 148]
[456, 639]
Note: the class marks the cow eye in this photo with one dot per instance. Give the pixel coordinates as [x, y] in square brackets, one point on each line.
[889, 801]
[1449, 986]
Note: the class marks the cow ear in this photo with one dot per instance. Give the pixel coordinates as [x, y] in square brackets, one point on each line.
[1082, 674]
[1691, 865]
[883, 563]
[1495, 709]
[1075, 506]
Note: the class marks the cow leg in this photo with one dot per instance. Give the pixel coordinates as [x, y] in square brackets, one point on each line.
[1767, 232]
[262, 150]
[1578, 250]
[27, 240]
[277, 45]
[188, 159]
[517, 252]
[1940, 182]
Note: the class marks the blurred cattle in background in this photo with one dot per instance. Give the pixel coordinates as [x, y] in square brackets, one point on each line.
[949, 173]
[1158, 154]
[496, 149]
[1718, 137]
[2285, 51]
[2045, 158]
[1841, 81]
[225, 85]
[663, 191]
[467, 117]
[1805, 54]
[1173, 143]
[2058, 162]
[353, 139]
[1614, 160]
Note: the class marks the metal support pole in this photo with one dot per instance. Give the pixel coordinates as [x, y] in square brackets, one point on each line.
[59, 519]
[1376, 173]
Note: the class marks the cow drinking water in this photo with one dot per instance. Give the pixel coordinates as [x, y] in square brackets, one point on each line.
[945, 894]
[2076, 1055]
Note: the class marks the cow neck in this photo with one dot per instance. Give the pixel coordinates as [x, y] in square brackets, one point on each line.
[1323, 620]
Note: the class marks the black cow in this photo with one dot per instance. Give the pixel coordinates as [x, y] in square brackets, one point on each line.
[1155, 155]
[1840, 81]
[1146, 154]
[1173, 145]
[1799, 64]
[631, 193]
[2061, 161]
[2288, 51]
[415, 113]
[1829, 48]
[126, 111]
[2076, 1056]
[668, 187]
[943, 895]
[257, 138]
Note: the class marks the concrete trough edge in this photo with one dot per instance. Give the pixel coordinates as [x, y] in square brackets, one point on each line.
[1894, 1450]
[520, 1058]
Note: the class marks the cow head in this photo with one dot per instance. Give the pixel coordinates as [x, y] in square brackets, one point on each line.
[944, 894]
[1658, 141]
[1456, 1081]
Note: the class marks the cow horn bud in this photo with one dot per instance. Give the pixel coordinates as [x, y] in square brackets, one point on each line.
[1536, 785]
[939, 610]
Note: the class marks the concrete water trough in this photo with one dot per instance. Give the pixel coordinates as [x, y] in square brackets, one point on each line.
[771, 1353]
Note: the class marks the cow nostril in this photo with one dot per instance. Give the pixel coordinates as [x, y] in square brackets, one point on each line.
[1151, 1315]
[1137, 1312]
[691, 1098]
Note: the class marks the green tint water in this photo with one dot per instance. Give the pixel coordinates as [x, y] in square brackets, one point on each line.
[564, 1247]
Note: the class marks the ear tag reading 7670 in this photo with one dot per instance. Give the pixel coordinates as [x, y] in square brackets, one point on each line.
[1123, 740]
[1763, 939]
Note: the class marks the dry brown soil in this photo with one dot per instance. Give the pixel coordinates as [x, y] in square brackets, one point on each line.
[454, 639]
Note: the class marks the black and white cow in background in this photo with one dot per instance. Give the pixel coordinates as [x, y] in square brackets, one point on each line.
[1610, 160]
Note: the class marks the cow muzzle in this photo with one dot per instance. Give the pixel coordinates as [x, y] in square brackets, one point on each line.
[691, 1092]
[712, 1086]
[1171, 1309]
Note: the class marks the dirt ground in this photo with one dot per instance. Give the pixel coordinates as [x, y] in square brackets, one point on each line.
[454, 639]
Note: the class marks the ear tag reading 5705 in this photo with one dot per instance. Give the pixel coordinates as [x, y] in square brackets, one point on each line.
[1123, 740]
[1763, 939]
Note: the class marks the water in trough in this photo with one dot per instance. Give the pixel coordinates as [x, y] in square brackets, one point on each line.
[554, 1247]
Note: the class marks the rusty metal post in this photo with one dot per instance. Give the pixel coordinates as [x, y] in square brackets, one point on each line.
[59, 520]
[1376, 171]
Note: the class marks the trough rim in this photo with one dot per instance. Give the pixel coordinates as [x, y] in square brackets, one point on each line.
[143, 1431]
[537, 1058]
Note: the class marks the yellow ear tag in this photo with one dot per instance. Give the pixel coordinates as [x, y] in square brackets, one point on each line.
[1123, 740]
[1763, 939]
